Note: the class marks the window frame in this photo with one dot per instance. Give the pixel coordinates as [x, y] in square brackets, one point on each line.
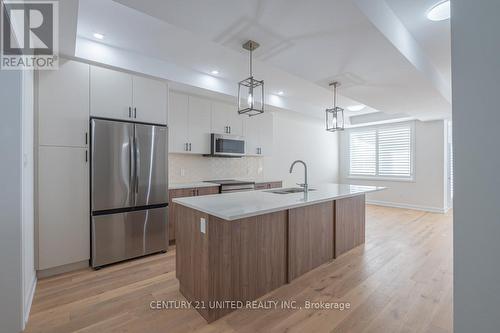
[411, 178]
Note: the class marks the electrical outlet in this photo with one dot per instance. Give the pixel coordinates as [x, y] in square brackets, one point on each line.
[203, 225]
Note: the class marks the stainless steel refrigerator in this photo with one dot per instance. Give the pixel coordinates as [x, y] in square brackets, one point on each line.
[129, 190]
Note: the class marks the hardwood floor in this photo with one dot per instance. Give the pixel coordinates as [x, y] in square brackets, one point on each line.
[399, 281]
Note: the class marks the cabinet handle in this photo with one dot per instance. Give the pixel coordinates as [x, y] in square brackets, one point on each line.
[229, 129]
[86, 156]
[86, 138]
[130, 112]
[186, 146]
[197, 192]
[189, 146]
[135, 112]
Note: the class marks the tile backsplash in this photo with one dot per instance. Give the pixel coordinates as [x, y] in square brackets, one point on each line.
[192, 168]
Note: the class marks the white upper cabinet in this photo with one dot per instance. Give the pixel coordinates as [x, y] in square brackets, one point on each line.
[226, 120]
[119, 95]
[110, 93]
[178, 123]
[266, 139]
[199, 119]
[252, 135]
[150, 100]
[191, 120]
[63, 105]
[189, 124]
[258, 132]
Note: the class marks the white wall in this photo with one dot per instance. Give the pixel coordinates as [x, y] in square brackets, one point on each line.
[28, 238]
[295, 137]
[11, 303]
[428, 190]
[475, 41]
[17, 273]
[298, 137]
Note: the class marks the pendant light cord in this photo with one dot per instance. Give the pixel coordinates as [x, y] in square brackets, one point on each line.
[251, 74]
[335, 95]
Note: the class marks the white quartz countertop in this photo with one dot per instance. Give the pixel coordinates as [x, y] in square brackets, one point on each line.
[176, 186]
[237, 205]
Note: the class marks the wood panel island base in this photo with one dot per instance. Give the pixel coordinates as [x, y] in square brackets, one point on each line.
[240, 254]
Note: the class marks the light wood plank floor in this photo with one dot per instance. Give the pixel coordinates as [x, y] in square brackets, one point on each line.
[399, 281]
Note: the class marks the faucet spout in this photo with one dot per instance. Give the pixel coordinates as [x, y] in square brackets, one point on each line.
[305, 185]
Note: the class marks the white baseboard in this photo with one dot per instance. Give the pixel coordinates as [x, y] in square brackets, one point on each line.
[407, 206]
[27, 305]
[44, 273]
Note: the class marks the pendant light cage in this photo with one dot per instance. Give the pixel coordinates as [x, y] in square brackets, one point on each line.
[251, 90]
[335, 115]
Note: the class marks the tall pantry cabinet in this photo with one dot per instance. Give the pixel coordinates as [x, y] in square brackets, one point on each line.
[63, 168]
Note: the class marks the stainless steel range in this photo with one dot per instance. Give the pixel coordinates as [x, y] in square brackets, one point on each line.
[232, 185]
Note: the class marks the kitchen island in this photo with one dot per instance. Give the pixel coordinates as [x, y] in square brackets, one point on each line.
[236, 247]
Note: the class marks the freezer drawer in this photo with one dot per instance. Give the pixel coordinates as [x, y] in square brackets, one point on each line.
[121, 236]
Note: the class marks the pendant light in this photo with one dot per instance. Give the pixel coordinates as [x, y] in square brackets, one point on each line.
[335, 115]
[250, 90]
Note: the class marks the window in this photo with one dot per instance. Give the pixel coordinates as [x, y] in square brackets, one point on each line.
[384, 151]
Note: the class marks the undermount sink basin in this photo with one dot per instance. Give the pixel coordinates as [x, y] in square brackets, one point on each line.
[289, 190]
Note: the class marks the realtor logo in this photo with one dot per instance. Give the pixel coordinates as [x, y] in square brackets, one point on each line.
[29, 37]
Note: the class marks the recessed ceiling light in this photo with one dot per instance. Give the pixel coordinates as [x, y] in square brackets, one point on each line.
[281, 92]
[357, 107]
[440, 11]
[98, 35]
[214, 72]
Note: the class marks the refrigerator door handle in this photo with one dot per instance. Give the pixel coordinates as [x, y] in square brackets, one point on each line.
[131, 163]
[137, 161]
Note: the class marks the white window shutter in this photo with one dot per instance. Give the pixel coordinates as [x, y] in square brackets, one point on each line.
[394, 152]
[384, 151]
[362, 148]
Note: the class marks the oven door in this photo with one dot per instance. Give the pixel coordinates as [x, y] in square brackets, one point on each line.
[225, 145]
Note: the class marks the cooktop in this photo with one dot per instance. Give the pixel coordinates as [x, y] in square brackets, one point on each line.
[230, 182]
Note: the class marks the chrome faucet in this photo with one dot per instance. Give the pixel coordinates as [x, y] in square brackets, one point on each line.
[305, 185]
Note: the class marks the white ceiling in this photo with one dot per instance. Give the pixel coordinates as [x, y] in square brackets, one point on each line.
[433, 36]
[304, 45]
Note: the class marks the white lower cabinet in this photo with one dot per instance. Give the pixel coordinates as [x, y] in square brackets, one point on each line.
[63, 206]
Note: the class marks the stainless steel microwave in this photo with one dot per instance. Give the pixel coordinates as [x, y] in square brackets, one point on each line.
[227, 145]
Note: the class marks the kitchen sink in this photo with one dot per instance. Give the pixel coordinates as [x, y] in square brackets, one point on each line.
[289, 190]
